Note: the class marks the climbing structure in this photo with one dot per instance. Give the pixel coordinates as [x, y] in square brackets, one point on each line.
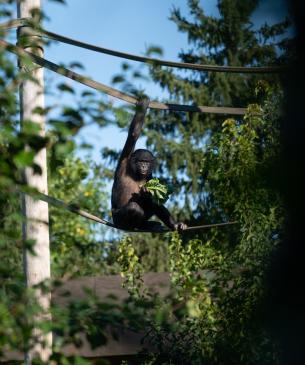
[30, 28]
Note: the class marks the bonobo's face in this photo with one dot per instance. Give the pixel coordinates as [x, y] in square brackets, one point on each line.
[143, 167]
[142, 163]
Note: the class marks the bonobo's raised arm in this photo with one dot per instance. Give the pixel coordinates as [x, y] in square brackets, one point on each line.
[135, 128]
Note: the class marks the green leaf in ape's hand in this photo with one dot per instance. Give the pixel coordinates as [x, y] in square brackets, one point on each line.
[158, 191]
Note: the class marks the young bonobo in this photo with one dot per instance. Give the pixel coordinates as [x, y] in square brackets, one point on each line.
[132, 205]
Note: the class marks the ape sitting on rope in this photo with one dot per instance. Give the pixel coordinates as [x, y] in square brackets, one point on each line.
[132, 205]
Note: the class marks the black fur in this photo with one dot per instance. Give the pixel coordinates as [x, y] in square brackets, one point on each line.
[132, 206]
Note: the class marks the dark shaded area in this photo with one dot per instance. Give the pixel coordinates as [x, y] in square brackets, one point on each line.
[286, 303]
[129, 344]
[271, 11]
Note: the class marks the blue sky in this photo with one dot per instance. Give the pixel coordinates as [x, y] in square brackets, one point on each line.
[126, 25]
[130, 26]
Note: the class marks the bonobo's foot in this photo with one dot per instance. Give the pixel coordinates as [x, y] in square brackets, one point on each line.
[180, 227]
[153, 226]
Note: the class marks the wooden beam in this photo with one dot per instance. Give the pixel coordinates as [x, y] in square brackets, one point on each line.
[36, 226]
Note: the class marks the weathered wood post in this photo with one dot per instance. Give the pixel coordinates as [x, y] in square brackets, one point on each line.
[36, 226]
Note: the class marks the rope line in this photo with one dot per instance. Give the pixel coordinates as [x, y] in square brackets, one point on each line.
[75, 209]
[152, 61]
[113, 92]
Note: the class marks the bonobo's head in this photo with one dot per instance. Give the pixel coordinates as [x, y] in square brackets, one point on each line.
[142, 163]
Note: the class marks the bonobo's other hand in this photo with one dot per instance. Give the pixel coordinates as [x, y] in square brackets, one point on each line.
[144, 192]
[180, 227]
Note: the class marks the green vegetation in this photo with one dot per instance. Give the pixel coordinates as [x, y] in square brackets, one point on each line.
[159, 192]
[215, 314]
[78, 244]
[220, 169]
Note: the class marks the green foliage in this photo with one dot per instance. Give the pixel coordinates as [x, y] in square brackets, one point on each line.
[92, 318]
[214, 314]
[131, 270]
[159, 192]
[224, 169]
[17, 309]
[179, 139]
[78, 244]
[152, 251]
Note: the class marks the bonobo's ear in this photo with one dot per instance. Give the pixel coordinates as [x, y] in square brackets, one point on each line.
[154, 163]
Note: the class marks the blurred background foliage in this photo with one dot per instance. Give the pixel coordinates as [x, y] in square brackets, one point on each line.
[221, 169]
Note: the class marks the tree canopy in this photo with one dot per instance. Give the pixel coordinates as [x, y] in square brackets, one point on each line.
[221, 169]
[179, 139]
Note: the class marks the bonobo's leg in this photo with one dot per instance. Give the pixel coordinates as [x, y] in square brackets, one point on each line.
[153, 226]
[164, 215]
[129, 216]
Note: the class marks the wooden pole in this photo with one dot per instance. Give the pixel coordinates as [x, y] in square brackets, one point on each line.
[36, 226]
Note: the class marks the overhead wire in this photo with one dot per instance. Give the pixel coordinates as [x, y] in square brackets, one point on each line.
[123, 96]
[149, 60]
[19, 51]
